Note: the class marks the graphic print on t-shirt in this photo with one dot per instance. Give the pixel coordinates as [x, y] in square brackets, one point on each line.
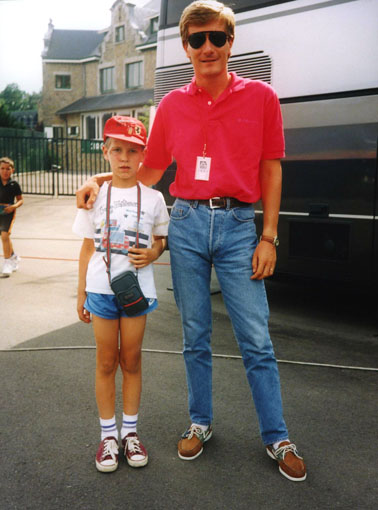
[121, 238]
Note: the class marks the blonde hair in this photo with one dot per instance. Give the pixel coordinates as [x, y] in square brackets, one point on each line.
[8, 161]
[201, 12]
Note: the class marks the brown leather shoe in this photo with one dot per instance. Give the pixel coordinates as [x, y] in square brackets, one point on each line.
[290, 463]
[190, 445]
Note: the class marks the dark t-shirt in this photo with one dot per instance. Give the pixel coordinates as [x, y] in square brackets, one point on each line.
[9, 192]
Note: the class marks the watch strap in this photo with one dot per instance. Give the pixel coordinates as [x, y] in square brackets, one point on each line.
[269, 239]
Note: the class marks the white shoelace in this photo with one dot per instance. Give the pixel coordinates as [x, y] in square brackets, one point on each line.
[110, 448]
[134, 445]
[283, 450]
[194, 429]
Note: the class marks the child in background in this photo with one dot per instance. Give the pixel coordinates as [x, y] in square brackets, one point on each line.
[119, 337]
[9, 191]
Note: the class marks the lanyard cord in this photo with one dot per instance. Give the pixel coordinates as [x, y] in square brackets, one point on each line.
[204, 127]
[107, 260]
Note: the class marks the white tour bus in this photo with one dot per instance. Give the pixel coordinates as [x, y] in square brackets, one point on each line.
[321, 58]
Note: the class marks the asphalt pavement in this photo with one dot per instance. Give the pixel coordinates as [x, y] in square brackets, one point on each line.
[326, 343]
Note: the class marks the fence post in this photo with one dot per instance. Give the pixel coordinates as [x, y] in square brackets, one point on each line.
[55, 169]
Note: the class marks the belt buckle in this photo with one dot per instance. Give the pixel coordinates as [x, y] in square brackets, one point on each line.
[211, 203]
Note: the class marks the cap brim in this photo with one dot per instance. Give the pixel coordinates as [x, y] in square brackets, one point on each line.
[126, 138]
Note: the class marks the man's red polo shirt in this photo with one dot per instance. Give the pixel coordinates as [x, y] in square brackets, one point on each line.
[241, 128]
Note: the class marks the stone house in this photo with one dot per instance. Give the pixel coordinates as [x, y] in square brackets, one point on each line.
[90, 75]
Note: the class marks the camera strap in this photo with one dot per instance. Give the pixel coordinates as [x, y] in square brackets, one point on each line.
[107, 260]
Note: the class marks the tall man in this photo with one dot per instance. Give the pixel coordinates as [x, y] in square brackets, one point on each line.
[225, 133]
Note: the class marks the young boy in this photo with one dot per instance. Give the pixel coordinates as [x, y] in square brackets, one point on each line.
[9, 191]
[118, 336]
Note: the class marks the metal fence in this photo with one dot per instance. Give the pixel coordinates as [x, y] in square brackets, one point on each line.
[46, 166]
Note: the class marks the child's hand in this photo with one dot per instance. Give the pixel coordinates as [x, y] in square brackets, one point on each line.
[9, 209]
[82, 312]
[142, 257]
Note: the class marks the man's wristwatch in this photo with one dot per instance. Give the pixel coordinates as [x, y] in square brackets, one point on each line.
[271, 240]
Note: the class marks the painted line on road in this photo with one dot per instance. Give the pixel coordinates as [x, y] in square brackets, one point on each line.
[160, 351]
[77, 260]
[48, 258]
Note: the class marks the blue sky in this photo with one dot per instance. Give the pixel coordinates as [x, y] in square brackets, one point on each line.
[23, 24]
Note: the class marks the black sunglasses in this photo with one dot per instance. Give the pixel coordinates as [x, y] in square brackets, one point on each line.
[216, 37]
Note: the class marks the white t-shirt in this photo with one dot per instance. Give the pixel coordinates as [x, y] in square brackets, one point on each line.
[90, 224]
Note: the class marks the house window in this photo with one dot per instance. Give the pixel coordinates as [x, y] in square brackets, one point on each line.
[57, 132]
[134, 75]
[62, 81]
[90, 127]
[73, 130]
[154, 25]
[105, 117]
[120, 33]
[107, 79]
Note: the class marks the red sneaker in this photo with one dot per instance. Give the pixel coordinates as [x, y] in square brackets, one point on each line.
[290, 463]
[107, 455]
[134, 451]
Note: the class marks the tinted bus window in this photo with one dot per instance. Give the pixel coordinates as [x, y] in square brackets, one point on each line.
[171, 9]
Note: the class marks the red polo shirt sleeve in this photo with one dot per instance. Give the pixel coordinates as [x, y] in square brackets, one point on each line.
[273, 137]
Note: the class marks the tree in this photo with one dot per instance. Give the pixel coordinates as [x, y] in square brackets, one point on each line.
[16, 99]
[5, 118]
[33, 100]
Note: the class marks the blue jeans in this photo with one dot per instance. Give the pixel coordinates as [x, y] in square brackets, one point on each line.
[200, 237]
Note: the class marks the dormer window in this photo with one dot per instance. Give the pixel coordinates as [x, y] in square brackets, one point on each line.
[154, 25]
[120, 33]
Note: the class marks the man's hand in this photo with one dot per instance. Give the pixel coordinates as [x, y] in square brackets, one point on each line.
[86, 195]
[263, 261]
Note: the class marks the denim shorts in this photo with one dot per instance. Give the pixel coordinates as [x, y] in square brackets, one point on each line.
[106, 306]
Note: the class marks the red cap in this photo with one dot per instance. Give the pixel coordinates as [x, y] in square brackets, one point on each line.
[125, 128]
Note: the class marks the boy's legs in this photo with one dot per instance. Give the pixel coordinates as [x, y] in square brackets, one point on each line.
[10, 259]
[130, 357]
[7, 244]
[107, 359]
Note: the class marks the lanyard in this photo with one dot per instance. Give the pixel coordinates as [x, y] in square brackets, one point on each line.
[204, 127]
[107, 260]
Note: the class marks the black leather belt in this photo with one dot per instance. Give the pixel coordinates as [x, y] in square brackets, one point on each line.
[221, 202]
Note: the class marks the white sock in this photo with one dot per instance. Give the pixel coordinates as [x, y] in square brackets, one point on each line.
[276, 445]
[202, 427]
[129, 424]
[108, 428]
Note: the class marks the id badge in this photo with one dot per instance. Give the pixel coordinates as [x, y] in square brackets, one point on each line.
[202, 169]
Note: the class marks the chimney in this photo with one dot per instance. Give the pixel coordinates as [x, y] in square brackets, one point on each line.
[46, 39]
